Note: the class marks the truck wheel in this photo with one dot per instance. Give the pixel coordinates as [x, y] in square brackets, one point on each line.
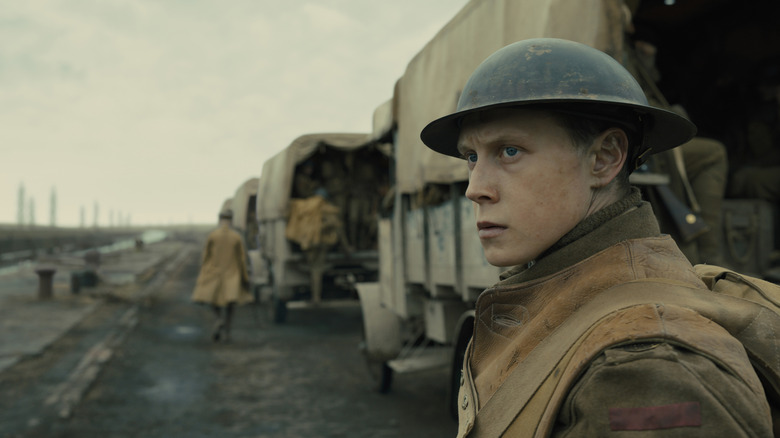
[256, 302]
[382, 376]
[278, 309]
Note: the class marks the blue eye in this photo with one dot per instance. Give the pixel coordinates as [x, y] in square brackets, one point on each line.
[510, 151]
[471, 158]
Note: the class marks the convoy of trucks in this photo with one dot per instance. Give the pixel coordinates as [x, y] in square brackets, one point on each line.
[411, 249]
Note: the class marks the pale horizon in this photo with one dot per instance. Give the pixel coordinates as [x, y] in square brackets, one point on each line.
[161, 111]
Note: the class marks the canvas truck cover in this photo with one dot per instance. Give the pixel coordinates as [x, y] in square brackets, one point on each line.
[431, 84]
[383, 120]
[241, 202]
[276, 180]
[227, 204]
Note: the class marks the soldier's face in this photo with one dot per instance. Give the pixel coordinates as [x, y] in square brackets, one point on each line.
[529, 184]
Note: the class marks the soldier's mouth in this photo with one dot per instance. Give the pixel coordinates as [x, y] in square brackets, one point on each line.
[487, 230]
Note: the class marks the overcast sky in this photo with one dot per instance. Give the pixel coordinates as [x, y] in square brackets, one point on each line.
[161, 109]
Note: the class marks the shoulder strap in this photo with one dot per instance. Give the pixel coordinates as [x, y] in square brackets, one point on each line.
[755, 326]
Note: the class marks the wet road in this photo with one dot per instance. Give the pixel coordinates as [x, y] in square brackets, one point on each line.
[305, 378]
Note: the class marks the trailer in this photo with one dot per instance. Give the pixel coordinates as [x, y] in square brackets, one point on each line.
[317, 208]
[420, 312]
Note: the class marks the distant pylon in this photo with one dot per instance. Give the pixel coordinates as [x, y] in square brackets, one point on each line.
[20, 207]
[53, 208]
[31, 212]
[95, 211]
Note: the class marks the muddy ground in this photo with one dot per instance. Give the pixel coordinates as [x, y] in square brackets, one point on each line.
[167, 378]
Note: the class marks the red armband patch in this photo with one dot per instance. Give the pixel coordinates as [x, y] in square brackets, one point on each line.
[655, 417]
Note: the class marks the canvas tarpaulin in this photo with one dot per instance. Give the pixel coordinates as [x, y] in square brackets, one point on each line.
[433, 79]
[240, 202]
[227, 205]
[313, 222]
[276, 180]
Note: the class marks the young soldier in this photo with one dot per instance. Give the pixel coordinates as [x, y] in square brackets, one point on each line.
[601, 327]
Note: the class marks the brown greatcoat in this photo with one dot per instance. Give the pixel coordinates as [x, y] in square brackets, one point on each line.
[223, 276]
[675, 373]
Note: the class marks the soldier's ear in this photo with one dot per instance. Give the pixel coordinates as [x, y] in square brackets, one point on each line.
[608, 154]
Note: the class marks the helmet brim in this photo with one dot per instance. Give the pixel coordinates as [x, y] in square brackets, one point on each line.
[660, 129]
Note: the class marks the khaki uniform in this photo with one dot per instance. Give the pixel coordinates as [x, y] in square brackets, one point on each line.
[653, 369]
[705, 164]
[223, 273]
[759, 178]
[706, 167]
[315, 225]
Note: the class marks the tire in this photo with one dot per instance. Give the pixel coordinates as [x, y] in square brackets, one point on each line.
[278, 310]
[256, 293]
[381, 375]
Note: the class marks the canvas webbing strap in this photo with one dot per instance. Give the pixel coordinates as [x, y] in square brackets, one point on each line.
[679, 161]
[733, 314]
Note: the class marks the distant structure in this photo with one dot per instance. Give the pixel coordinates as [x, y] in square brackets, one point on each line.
[31, 211]
[53, 208]
[83, 217]
[95, 211]
[111, 218]
[20, 206]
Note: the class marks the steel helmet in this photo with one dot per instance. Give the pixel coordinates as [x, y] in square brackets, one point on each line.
[562, 75]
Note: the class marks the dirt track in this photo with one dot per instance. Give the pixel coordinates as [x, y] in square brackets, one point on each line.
[305, 378]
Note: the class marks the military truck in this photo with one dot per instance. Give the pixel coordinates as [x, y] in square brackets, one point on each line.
[317, 208]
[719, 60]
[227, 205]
[244, 207]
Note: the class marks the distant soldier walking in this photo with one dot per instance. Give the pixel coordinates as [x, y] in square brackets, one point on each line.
[223, 280]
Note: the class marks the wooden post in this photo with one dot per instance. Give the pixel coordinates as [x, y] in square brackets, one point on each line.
[45, 282]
